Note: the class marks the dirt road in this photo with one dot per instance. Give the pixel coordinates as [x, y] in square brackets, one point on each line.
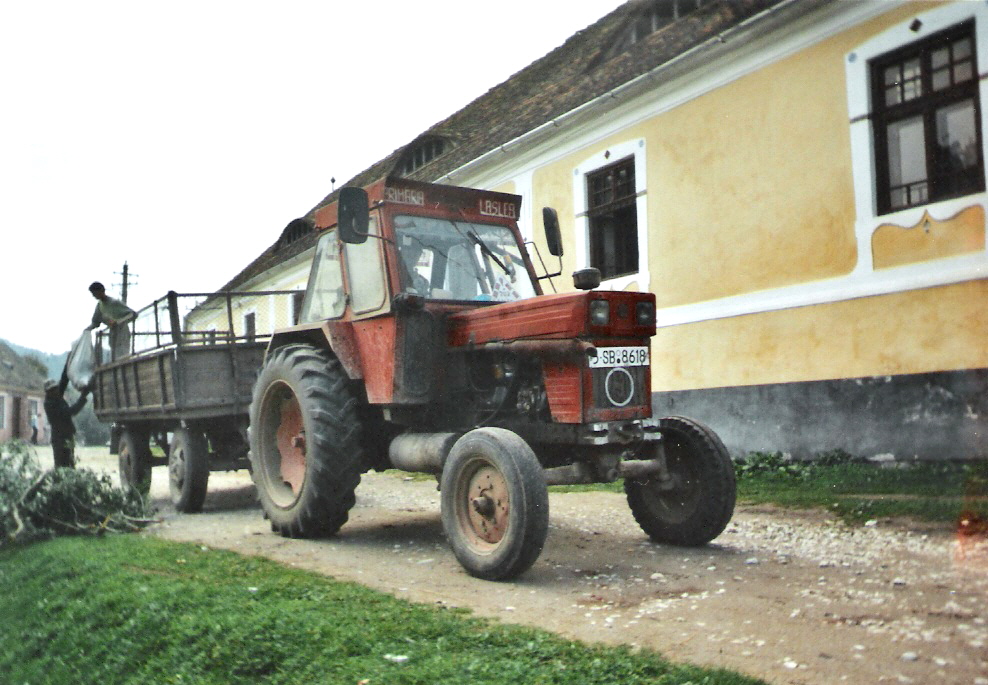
[788, 597]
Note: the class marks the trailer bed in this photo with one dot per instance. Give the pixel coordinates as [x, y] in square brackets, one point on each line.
[206, 381]
[192, 357]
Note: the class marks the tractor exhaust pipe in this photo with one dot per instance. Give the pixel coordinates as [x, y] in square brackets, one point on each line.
[421, 452]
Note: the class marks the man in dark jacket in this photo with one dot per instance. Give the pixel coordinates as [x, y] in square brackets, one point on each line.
[60, 420]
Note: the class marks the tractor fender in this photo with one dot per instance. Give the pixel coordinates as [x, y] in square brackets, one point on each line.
[335, 337]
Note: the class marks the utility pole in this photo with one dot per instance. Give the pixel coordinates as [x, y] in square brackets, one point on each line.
[126, 281]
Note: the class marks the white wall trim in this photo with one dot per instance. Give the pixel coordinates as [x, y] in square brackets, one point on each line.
[885, 282]
[523, 187]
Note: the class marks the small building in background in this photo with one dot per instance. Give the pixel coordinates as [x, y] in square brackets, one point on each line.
[21, 399]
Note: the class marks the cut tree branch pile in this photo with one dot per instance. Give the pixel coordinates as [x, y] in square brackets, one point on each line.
[37, 504]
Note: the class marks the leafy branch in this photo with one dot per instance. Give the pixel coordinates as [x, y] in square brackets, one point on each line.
[37, 504]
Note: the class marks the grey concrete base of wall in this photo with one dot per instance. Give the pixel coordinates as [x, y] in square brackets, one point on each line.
[928, 416]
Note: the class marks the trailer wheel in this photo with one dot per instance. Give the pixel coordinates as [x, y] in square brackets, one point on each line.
[495, 505]
[188, 470]
[305, 442]
[134, 460]
[700, 502]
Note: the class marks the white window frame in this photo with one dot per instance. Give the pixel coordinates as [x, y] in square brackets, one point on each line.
[3, 412]
[863, 163]
[631, 148]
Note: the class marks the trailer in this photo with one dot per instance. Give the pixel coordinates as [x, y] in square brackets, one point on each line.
[181, 394]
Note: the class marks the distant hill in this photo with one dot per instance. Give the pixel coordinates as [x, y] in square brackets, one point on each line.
[53, 362]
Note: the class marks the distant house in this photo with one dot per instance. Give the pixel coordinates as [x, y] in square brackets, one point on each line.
[21, 399]
[801, 183]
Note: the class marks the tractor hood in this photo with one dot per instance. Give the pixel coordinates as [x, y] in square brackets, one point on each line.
[551, 317]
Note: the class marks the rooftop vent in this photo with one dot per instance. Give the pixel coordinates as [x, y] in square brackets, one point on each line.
[653, 16]
[294, 231]
[420, 153]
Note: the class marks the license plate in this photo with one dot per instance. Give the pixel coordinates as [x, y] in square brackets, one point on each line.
[619, 356]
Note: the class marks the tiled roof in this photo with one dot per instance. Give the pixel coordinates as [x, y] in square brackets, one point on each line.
[17, 374]
[585, 67]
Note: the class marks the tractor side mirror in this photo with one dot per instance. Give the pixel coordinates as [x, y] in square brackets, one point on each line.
[553, 237]
[353, 215]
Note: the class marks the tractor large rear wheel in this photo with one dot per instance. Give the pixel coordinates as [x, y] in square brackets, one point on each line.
[495, 505]
[697, 504]
[305, 448]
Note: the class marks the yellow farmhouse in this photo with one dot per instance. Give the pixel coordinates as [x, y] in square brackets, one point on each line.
[801, 183]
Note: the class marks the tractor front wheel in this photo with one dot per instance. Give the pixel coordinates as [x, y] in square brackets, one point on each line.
[304, 442]
[188, 470]
[495, 505]
[697, 502]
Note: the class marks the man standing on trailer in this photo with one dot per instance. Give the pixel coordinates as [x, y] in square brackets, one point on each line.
[116, 315]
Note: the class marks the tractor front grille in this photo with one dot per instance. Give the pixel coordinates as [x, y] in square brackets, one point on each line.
[618, 387]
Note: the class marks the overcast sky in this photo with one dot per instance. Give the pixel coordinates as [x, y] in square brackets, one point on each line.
[182, 136]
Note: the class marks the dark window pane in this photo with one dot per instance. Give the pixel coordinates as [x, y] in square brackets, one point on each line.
[957, 164]
[910, 69]
[613, 220]
[941, 79]
[940, 58]
[962, 49]
[907, 152]
[911, 89]
[963, 72]
[957, 134]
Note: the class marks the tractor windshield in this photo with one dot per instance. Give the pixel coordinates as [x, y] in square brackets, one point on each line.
[458, 260]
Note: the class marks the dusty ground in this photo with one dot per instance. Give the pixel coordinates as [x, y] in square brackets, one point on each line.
[787, 597]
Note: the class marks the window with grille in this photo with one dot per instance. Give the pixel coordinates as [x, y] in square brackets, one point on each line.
[613, 219]
[926, 120]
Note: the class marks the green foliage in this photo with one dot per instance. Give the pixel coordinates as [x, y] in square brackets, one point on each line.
[37, 504]
[769, 463]
[976, 479]
[837, 457]
[132, 609]
[90, 430]
[857, 490]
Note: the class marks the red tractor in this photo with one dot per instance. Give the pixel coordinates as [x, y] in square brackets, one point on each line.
[428, 345]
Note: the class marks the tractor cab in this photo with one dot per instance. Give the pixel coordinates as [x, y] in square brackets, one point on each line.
[416, 242]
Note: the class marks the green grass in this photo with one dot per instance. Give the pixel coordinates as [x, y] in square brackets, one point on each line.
[136, 609]
[855, 491]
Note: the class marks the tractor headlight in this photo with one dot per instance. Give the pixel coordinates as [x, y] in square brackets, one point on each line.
[600, 312]
[645, 314]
